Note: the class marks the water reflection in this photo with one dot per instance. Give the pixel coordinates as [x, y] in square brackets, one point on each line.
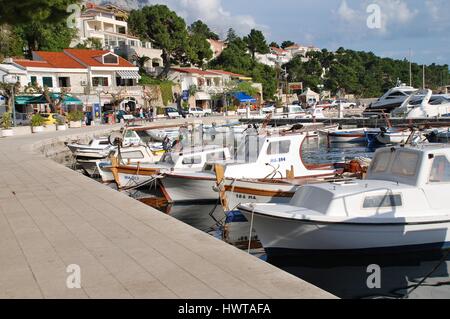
[403, 275]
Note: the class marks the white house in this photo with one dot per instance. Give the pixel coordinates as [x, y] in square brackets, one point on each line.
[108, 24]
[207, 84]
[91, 75]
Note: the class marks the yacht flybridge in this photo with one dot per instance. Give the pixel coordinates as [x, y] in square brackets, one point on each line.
[402, 203]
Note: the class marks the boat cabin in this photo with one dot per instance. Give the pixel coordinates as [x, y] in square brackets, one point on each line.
[195, 157]
[401, 182]
[411, 166]
[277, 156]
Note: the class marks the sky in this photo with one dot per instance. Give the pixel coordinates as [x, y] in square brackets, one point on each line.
[420, 25]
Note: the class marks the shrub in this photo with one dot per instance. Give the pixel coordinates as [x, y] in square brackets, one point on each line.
[6, 120]
[166, 92]
[37, 120]
[75, 116]
[60, 120]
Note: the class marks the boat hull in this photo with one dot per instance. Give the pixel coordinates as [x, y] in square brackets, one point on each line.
[347, 138]
[186, 189]
[284, 236]
[239, 192]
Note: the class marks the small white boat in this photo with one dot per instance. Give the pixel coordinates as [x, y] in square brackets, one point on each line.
[129, 176]
[160, 135]
[100, 148]
[357, 136]
[402, 204]
[128, 156]
[97, 148]
[268, 157]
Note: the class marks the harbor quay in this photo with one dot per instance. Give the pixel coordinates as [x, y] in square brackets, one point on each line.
[64, 235]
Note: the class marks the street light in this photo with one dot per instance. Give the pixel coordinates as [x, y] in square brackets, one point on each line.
[99, 91]
[13, 81]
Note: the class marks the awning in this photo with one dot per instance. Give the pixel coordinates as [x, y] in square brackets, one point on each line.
[128, 75]
[244, 98]
[68, 99]
[29, 99]
[202, 96]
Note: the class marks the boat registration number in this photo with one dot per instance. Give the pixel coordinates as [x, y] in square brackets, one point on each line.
[278, 160]
[242, 196]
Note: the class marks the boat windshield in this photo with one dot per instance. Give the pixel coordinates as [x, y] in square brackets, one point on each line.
[249, 149]
[395, 166]
[296, 109]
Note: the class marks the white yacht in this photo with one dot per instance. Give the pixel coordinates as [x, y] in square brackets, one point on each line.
[402, 203]
[424, 104]
[391, 100]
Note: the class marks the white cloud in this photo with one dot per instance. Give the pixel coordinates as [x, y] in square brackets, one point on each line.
[211, 12]
[394, 13]
[346, 13]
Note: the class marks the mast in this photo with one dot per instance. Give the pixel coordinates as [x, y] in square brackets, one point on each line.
[423, 77]
[410, 68]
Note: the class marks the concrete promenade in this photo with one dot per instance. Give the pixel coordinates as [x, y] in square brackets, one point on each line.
[52, 217]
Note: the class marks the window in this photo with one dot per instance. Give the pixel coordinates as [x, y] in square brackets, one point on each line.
[110, 59]
[383, 201]
[405, 164]
[33, 80]
[217, 156]
[192, 160]
[440, 171]
[281, 147]
[64, 82]
[381, 162]
[47, 81]
[133, 155]
[100, 81]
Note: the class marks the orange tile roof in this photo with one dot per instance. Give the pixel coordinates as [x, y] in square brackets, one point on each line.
[33, 64]
[278, 50]
[59, 60]
[88, 57]
[193, 71]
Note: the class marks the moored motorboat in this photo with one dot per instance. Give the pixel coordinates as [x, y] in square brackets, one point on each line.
[270, 157]
[402, 204]
[129, 176]
[357, 136]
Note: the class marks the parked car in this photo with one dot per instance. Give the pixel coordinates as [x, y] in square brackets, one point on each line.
[172, 113]
[51, 118]
[268, 108]
[196, 112]
[345, 103]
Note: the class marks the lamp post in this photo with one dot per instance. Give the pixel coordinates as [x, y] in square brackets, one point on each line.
[13, 81]
[99, 92]
[320, 87]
